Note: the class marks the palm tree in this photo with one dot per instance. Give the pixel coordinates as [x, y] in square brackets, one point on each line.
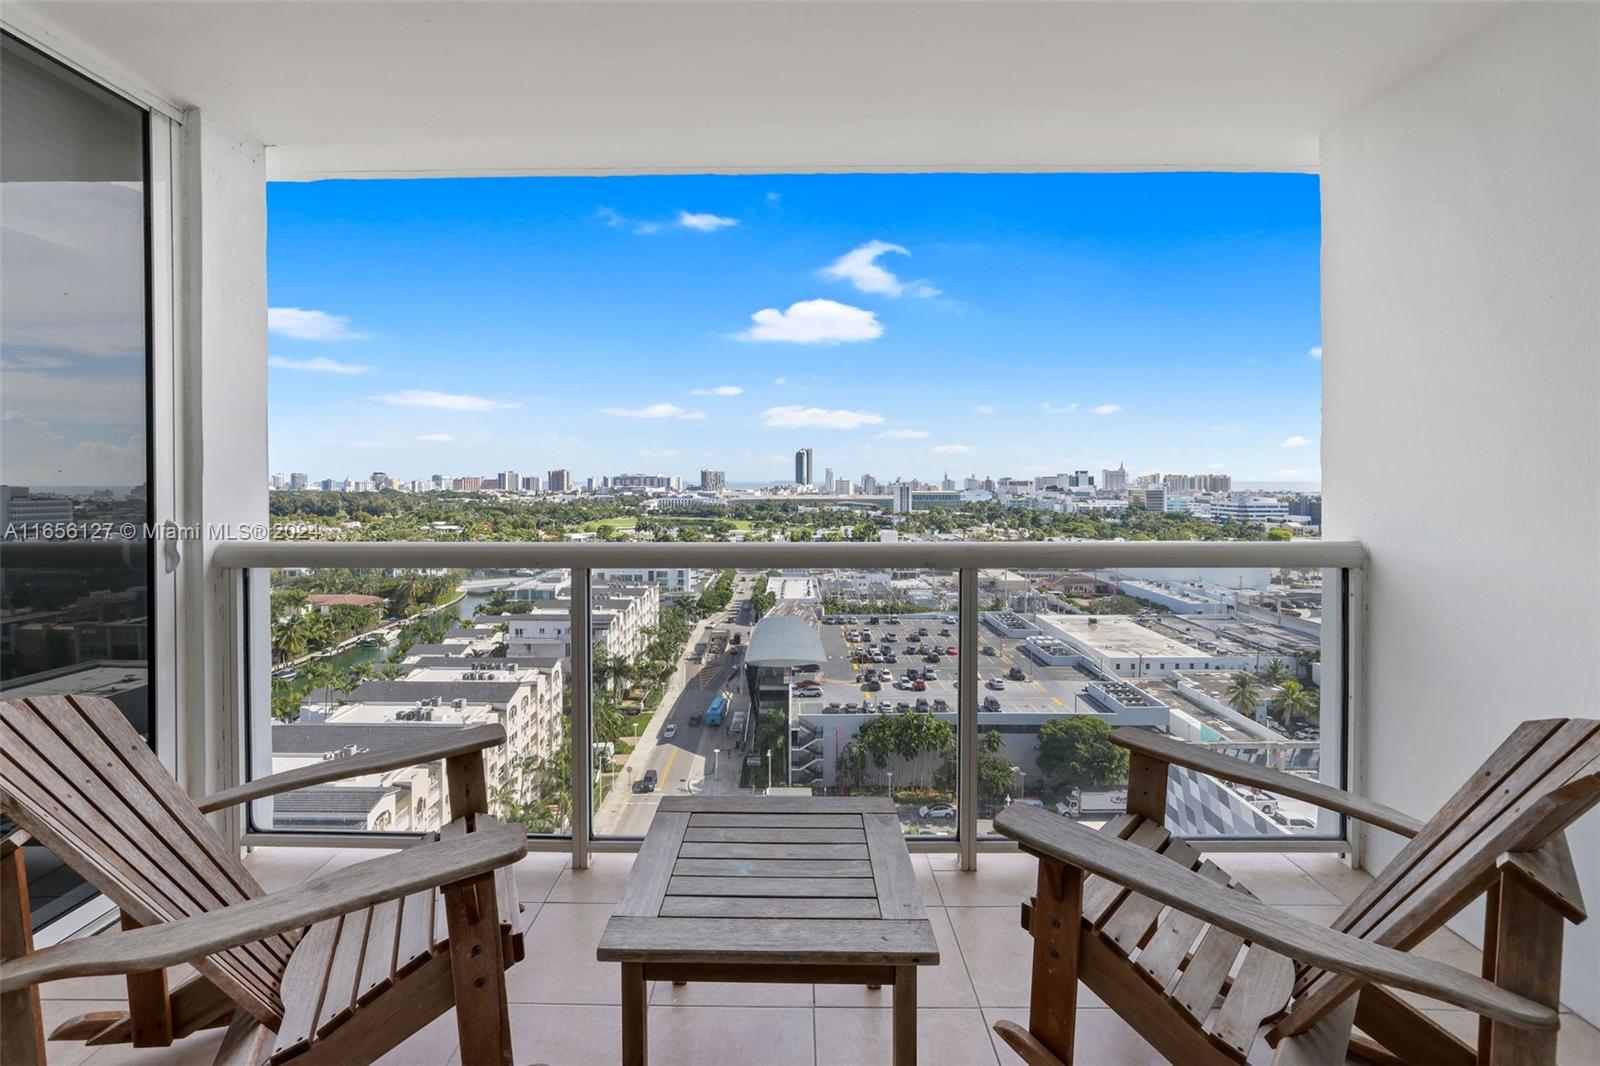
[1275, 672]
[1243, 694]
[1296, 701]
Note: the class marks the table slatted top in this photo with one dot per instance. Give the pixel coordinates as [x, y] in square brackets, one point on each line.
[772, 881]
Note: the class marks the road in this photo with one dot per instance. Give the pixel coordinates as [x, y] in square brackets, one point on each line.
[681, 763]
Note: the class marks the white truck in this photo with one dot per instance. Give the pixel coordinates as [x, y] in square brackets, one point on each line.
[1080, 804]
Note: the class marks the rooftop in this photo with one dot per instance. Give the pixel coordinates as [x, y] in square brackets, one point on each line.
[1118, 636]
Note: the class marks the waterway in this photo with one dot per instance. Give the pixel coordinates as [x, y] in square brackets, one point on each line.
[356, 654]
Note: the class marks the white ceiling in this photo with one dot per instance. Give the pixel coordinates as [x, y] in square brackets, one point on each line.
[391, 88]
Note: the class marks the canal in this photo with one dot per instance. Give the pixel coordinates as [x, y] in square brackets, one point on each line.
[357, 654]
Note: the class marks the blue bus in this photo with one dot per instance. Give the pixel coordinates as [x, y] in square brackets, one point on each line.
[714, 712]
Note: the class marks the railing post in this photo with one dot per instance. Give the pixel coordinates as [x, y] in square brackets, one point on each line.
[967, 720]
[581, 753]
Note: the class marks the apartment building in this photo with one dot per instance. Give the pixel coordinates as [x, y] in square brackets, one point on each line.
[621, 619]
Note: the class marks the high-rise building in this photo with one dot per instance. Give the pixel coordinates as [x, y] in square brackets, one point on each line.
[297, 482]
[902, 497]
[530, 483]
[949, 483]
[438, 481]
[870, 486]
[327, 484]
[1148, 499]
[713, 480]
[1080, 479]
[1115, 480]
[510, 481]
[277, 481]
[802, 466]
[560, 481]
[380, 481]
[827, 480]
[669, 482]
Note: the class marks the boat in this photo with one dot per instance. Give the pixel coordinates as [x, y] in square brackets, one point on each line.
[288, 673]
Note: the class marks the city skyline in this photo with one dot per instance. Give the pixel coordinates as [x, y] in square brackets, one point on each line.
[899, 325]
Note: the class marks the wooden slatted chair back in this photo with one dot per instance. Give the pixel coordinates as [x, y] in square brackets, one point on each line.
[1535, 784]
[75, 775]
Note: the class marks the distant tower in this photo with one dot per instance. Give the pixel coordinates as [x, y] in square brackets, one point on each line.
[802, 466]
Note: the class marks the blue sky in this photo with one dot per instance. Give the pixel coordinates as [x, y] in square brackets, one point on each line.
[899, 325]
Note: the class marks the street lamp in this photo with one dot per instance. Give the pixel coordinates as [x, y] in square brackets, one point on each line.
[1022, 788]
[891, 786]
[769, 771]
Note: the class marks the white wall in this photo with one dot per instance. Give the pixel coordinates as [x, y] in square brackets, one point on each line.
[223, 204]
[1460, 329]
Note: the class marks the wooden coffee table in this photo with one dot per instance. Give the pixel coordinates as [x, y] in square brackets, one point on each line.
[781, 890]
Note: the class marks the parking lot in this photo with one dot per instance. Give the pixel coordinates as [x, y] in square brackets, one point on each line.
[1043, 688]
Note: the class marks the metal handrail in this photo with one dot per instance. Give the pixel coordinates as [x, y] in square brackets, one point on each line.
[938, 555]
[965, 558]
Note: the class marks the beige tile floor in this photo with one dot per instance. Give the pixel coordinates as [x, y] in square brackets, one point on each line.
[564, 1004]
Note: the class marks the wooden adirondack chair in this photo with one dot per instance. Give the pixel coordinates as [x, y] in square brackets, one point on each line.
[1158, 933]
[339, 969]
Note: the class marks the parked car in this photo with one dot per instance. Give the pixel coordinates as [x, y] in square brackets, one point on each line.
[922, 632]
[889, 638]
[811, 693]
[891, 658]
[990, 703]
[988, 649]
[903, 707]
[646, 782]
[873, 686]
[944, 632]
[919, 685]
[1016, 674]
[669, 731]
[936, 810]
[996, 683]
[931, 657]
[928, 674]
[941, 705]
[922, 706]
[951, 650]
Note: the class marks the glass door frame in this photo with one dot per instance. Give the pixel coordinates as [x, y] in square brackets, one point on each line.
[164, 391]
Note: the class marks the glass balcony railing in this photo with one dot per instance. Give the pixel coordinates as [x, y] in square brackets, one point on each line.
[956, 678]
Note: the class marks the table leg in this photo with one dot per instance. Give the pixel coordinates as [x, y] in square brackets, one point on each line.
[635, 1001]
[905, 1016]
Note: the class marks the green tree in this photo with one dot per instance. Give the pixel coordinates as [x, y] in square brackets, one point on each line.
[1297, 702]
[1078, 752]
[1243, 694]
[1275, 672]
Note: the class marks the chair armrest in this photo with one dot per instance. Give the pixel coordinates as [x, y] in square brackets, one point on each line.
[491, 845]
[457, 742]
[1176, 752]
[1162, 879]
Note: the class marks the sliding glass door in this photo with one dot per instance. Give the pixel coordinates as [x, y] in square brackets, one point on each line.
[76, 573]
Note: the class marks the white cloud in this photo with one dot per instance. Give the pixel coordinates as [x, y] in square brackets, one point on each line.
[435, 438]
[814, 322]
[1105, 409]
[1315, 352]
[774, 197]
[1058, 409]
[720, 390]
[655, 410]
[445, 401]
[1296, 441]
[318, 364]
[305, 325]
[704, 222]
[983, 409]
[951, 449]
[904, 434]
[658, 453]
[859, 266]
[780, 381]
[699, 221]
[794, 416]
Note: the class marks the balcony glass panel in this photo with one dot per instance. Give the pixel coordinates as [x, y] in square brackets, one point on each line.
[368, 661]
[775, 682]
[1231, 660]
